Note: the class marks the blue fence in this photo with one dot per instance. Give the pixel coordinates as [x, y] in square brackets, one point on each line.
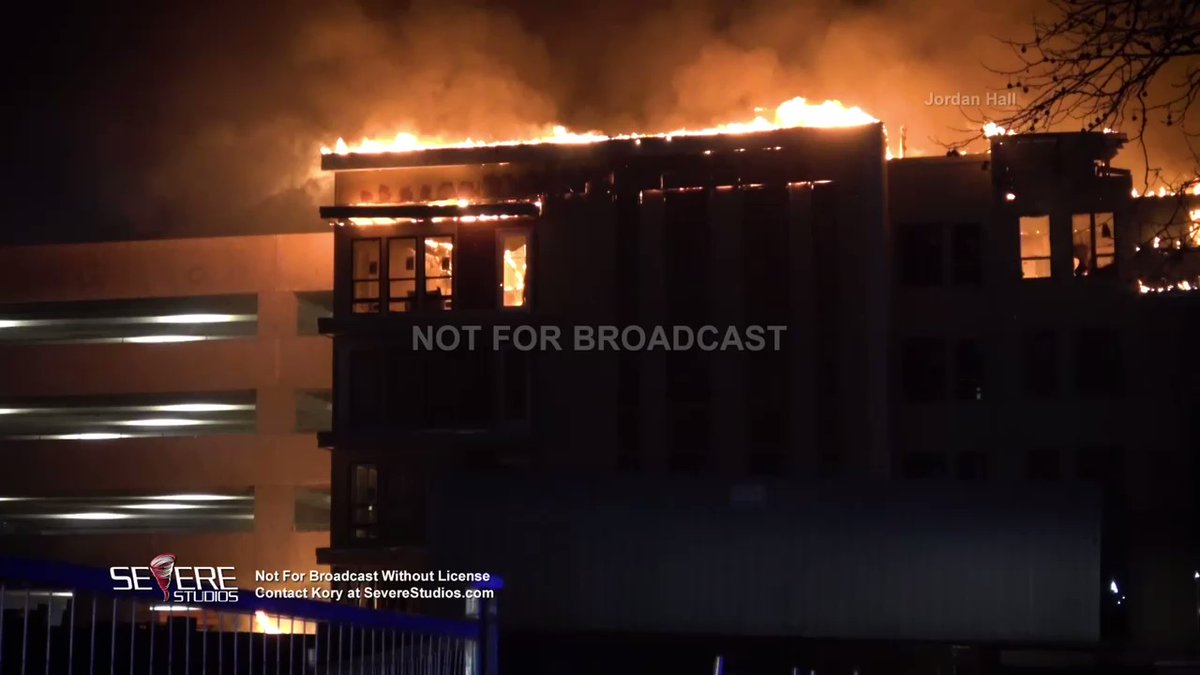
[65, 619]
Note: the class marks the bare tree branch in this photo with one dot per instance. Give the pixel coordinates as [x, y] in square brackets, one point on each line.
[1100, 64]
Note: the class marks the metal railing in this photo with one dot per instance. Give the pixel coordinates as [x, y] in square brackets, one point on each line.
[58, 619]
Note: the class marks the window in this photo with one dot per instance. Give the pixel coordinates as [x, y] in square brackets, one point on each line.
[689, 409]
[1040, 351]
[366, 387]
[923, 369]
[920, 254]
[1102, 464]
[514, 256]
[966, 262]
[971, 466]
[919, 465]
[366, 275]
[1098, 367]
[685, 462]
[1035, 247]
[420, 274]
[1093, 246]
[765, 463]
[629, 412]
[968, 371]
[1043, 464]
[311, 510]
[364, 491]
[402, 274]
[439, 272]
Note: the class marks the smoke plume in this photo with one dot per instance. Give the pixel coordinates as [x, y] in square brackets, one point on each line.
[207, 117]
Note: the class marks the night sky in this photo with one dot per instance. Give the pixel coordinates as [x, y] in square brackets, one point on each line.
[146, 120]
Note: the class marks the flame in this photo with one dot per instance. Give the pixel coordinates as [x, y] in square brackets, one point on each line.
[265, 624]
[992, 129]
[796, 112]
[1162, 191]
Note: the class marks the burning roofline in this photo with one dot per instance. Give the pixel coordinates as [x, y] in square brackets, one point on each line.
[606, 151]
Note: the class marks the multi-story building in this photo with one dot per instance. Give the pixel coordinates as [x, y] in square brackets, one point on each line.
[164, 396]
[987, 326]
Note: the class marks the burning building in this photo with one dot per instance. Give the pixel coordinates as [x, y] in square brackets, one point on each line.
[960, 330]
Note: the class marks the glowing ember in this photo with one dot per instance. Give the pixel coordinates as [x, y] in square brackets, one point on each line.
[1162, 191]
[794, 113]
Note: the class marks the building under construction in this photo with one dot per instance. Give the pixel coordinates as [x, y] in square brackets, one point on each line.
[974, 433]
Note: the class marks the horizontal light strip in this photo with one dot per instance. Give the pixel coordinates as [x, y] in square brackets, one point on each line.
[200, 497]
[162, 422]
[167, 407]
[163, 506]
[91, 515]
[163, 339]
[158, 319]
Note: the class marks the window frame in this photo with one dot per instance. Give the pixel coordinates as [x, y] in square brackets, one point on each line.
[410, 301]
[501, 233]
[378, 299]
[1088, 268]
[419, 301]
[364, 528]
[423, 295]
[1048, 258]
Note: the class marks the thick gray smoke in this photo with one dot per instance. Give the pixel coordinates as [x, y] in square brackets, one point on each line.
[208, 118]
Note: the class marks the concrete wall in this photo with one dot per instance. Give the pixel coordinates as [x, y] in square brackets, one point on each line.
[273, 462]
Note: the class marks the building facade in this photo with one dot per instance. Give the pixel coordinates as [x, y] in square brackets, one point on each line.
[164, 396]
[999, 318]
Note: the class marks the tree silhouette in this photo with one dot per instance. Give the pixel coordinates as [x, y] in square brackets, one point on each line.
[1120, 64]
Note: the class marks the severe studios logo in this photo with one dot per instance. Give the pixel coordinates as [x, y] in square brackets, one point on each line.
[192, 584]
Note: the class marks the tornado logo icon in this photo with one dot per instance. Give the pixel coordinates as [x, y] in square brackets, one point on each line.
[161, 567]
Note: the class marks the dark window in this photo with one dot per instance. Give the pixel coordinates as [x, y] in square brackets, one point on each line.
[971, 466]
[629, 445]
[765, 463]
[1098, 367]
[1041, 363]
[966, 263]
[515, 403]
[686, 260]
[923, 369]
[766, 265]
[968, 371]
[366, 387]
[921, 255]
[919, 465]
[686, 461]
[1043, 464]
[449, 390]
[1102, 464]
[364, 492]
[689, 406]
[766, 399]
[458, 388]
[477, 274]
[829, 462]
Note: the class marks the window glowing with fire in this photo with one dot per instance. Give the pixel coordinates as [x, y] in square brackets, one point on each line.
[513, 265]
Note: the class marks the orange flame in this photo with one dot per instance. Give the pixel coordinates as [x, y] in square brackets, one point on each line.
[796, 112]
